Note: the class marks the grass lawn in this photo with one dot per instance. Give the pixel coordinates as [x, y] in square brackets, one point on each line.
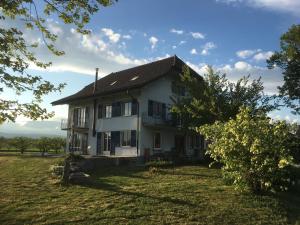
[120, 195]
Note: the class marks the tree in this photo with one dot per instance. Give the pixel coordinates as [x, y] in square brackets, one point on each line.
[288, 59]
[58, 144]
[16, 54]
[21, 143]
[254, 151]
[215, 98]
[44, 144]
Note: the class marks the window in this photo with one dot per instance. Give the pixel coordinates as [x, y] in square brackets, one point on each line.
[134, 78]
[81, 116]
[126, 109]
[126, 138]
[113, 83]
[194, 141]
[157, 140]
[108, 110]
[100, 111]
[178, 89]
[107, 141]
[156, 109]
[116, 109]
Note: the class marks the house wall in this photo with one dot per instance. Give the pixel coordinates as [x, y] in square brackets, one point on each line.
[160, 91]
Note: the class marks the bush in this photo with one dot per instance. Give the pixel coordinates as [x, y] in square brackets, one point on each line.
[253, 150]
[159, 163]
[71, 157]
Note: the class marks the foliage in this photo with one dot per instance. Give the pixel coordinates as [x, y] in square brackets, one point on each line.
[288, 59]
[17, 53]
[216, 98]
[253, 150]
[44, 144]
[58, 143]
[159, 163]
[21, 143]
[74, 157]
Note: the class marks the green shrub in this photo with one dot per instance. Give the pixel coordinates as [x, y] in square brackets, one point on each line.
[74, 157]
[253, 150]
[159, 163]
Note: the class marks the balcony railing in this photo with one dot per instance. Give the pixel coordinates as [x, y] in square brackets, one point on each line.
[67, 124]
[158, 121]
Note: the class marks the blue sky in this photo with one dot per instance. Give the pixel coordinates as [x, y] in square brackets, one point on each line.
[234, 36]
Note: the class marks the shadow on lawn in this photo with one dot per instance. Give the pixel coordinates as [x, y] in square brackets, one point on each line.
[291, 202]
[100, 184]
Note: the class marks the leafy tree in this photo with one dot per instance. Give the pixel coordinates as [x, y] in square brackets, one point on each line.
[58, 144]
[254, 151]
[16, 54]
[216, 98]
[44, 144]
[288, 59]
[21, 143]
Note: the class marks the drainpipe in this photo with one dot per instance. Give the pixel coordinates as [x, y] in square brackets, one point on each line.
[95, 103]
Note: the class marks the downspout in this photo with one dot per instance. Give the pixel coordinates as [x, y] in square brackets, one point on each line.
[95, 103]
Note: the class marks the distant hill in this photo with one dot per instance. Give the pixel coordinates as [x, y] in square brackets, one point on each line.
[32, 129]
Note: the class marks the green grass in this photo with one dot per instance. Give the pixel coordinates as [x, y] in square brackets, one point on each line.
[120, 195]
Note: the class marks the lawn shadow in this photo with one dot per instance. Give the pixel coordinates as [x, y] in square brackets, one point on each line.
[291, 202]
[98, 183]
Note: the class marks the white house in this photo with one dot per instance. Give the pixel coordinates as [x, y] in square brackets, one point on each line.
[126, 114]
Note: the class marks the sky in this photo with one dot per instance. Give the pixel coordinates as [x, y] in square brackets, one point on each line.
[234, 36]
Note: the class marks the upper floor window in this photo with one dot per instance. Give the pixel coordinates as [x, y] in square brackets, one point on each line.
[108, 111]
[126, 108]
[178, 89]
[156, 109]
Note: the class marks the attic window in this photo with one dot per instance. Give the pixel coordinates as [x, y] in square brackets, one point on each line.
[134, 78]
[113, 83]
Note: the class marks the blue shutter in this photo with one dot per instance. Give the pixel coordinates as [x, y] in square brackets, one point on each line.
[150, 108]
[133, 138]
[134, 107]
[100, 111]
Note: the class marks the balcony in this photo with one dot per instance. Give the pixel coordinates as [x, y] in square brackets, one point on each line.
[158, 121]
[77, 124]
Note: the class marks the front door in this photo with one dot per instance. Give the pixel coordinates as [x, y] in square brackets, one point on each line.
[179, 145]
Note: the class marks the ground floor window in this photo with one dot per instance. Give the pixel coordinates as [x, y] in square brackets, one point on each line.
[126, 138]
[195, 141]
[157, 140]
[107, 141]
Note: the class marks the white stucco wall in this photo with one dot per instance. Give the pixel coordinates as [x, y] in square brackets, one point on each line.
[160, 91]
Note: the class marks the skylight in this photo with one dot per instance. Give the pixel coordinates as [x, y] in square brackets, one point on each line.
[113, 83]
[134, 78]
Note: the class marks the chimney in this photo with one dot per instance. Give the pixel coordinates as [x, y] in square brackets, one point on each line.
[96, 79]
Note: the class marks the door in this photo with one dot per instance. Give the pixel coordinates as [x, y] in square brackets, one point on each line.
[179, 145]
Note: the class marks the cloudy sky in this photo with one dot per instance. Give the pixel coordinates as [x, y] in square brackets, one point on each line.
[234, 36]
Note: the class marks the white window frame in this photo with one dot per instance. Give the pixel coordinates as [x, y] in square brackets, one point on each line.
[127, 134]
[106, 141]
[126, 109]
[108, 111]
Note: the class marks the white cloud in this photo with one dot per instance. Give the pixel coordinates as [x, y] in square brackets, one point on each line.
[243, 66]
[271, 78]
[174, 46]
[182, 42]
[197, 35]
[173, 30]
[193, 51]
[208, 46]
[127, 36]
[247, 53]
[286, 6]
[112, 36]
[153, 41]
[262, 56]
